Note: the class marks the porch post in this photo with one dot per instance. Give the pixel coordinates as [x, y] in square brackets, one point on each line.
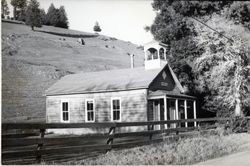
[165, 111]
[185, 112]
[176, 111]
[194, 105]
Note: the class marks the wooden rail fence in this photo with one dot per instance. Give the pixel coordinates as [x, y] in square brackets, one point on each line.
[37, 146]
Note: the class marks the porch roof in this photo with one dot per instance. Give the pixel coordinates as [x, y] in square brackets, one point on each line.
[174, 94]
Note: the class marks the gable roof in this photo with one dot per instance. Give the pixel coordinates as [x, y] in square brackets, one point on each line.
[104, 81]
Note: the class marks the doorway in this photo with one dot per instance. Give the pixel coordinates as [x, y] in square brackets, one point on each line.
[171, 113]
[158, 112]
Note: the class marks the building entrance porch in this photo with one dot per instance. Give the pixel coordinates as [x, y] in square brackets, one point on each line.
[169, 108]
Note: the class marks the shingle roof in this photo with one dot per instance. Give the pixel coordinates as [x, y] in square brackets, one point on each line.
[110, 80]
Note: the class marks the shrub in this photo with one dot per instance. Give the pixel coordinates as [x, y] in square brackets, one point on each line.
[239, 124]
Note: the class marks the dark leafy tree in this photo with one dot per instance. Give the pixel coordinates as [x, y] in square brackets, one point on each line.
[222, 69]
[5, 9]
[240, 13]
[97, 27]
[174, 25]
[33, 14]
[19, 7]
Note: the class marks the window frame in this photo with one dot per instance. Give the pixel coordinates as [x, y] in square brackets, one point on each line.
[61, 110]
[86, 111]
[111, 105]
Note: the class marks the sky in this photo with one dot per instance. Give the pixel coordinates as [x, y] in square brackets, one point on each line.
[123, 19]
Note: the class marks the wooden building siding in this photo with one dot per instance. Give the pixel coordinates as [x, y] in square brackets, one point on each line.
[133, 107]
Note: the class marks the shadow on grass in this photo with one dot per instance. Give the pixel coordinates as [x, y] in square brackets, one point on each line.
[69, 35]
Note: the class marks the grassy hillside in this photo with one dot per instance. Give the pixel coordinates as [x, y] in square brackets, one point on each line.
[34, 60]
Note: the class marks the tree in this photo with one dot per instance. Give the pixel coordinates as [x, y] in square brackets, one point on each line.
[43, 16]
[240, 13]
[19, 8]
[222, 69]
[175, 25]
[177, 31]
[33, 14]
[57, 17]
[50, 16]
[62, 20]
[97, 27]
[5, 8]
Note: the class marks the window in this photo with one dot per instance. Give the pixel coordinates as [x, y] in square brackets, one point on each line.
[152, 54]
[90, 112]
[116, 109]
[149, 55]
[65, 112]
[161, 52]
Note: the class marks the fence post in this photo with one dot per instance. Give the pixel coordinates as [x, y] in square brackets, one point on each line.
[198, 126]
[111, 137]
[151, 127]
[39, 146]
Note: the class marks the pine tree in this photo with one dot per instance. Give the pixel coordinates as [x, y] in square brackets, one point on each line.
[5, 8]
[50, 16]
[33, 14]
[62, 20]
[97, 27]
[43, 16]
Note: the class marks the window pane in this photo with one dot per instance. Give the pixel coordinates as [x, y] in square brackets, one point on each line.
[65, 106]
[118, 115]
[116, 109]
[114, 116]
[90, 105]
[65, 116]
[90, 110]
[90, 116]
[116, 104]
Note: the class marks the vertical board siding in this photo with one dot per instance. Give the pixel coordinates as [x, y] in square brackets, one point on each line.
[133, 107]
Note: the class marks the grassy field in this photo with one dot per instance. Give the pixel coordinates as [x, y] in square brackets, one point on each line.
[184, 151]
[33, 60]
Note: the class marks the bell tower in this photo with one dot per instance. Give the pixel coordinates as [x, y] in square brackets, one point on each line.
[155, 55]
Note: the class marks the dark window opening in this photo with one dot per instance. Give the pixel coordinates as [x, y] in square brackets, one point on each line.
[116, 109]
[65, 111]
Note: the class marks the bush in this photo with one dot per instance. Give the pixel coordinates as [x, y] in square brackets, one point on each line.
[239, 124]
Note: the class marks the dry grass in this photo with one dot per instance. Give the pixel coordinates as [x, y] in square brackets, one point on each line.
[184, 151]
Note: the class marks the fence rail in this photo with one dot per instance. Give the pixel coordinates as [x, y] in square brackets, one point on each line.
[37, 146]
